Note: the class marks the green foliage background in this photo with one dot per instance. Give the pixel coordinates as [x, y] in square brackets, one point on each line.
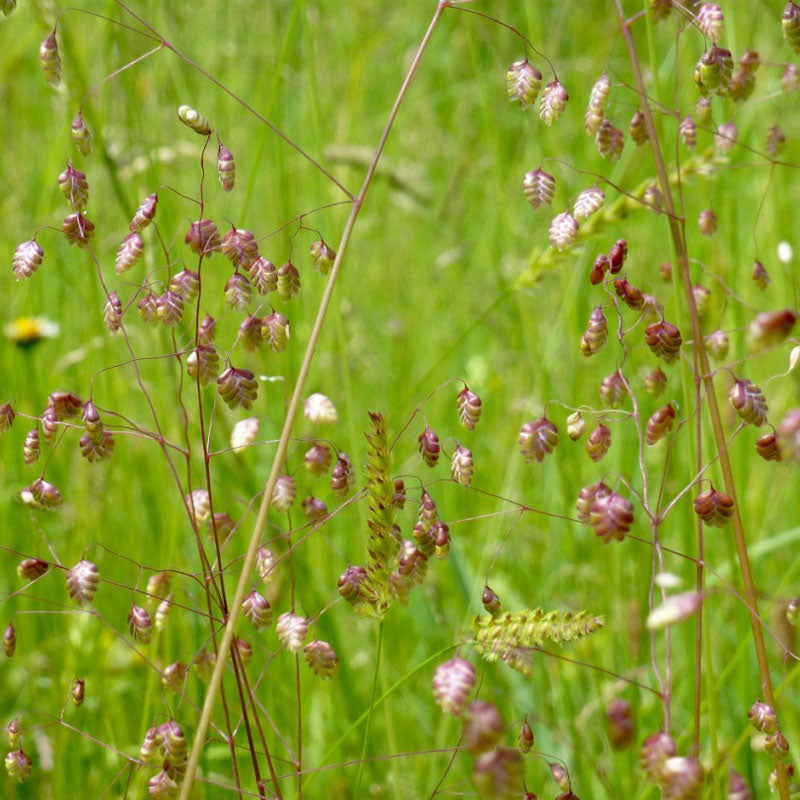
[429, 293]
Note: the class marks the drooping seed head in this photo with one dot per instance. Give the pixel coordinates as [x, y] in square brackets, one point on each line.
[525, 740]
[587, 202]
[74, 187]
[257, 610]
[707, 222]
[621, 727]
[656, 750]
[770, 328]
[452, 683]
[198, 504]
[576, 426]
[240, 247]
[275, 330]
[292, 630]
[537, 439]
[129, 252]
[7, 417]
[429, 446]
[353, 584]
[238, 387]
[112, 312]
[469, 408]
[539, 187]
[203, 237]
[776, 139]
[42, 495]
[81, 135]
[9, 640]
[318, 459]
[664, 339]
[483, 727]
[790, 78]
[609, 141]
[777, 745]
[725, 138]
[18, 765]
[263, 275]
[322, 257]
[50, 60]
[251, 333]
[790, 22]
[717, 344]
[682, 778]
[559, 775]
[554, 101]
[461, 465]
[491, 602]
[77, 229]
[676, 608]
[265, 565]
[563, 231]
[611, 516]
[82, 582]
[767, 447]
[238, 292]
[687, 130]
[597, 103]
[613, 390]
[586, 498]
[637, 129]
[27, 259]
[163, 610]
[763, 717]
[629, 294]
[342, 476]
[288, 281]
[29, 569]
[144, 214]
[314, 509]
[743, 81]
[97, 448]
[169, 308]
[319, 410]
[714, 70]
[748, 401]
[158, 586]
[140, 625]
[789, 435]
[194, 119]
[174, 676]
[148, 309]
[659, 424]
[428, 514]
[523, 83]
[598, 442]
[710, 20]
[596, 334]
[793, 610]
[226, 168]
[186, 284]
[321, 657]
[284, 494]
[714, 508]
[14, 735]
[652, 197]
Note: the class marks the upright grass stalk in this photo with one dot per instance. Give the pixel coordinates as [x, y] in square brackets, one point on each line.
[677, 235]
[283, 443]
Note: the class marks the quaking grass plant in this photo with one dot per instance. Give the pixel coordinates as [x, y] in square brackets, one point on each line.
[233, 666]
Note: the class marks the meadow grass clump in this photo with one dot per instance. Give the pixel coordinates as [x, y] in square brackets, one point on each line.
[296, 426]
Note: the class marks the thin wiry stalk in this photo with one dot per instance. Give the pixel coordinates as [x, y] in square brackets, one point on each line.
[682, 258]
[291, 413]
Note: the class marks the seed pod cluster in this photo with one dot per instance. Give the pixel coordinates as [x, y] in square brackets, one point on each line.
[74, 187]
[659, 424]
[202, 237]
[713, 71]
[144, 214]
[50, 60]
[342, 476]
[284, 493]
[226, 168]
[598, 443]
[292, 630]
[539, 187]
[609, 141]
[537, 439]
[452, 683]
[129, 252]
[586, 498]
[82, 582]
[596, 334]
[203, 364]
[664, 339]
[468, 405]
[81, 135]
[275, 331]
[461, 465]
[238, 292]
[77, 229]
[322, 257]
[563, 231]
[613, 390]
[597, 103]
[263, 275]
[714, 508]
[628, 293]
[321, 657]
[611, 516]
[748, 402]
[27, 259]
[587, 202]
[429, 446]
[257, 610]
[553, 102]
[523, 82]
[710, 20]
[238, 387]
[288, 281]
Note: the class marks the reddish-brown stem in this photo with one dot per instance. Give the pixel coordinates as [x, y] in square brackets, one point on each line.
[676, 229]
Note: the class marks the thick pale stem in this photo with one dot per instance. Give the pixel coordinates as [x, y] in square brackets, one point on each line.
[682, 257]
[291, 413]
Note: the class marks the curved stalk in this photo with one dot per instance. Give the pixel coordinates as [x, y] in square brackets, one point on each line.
[291, 413]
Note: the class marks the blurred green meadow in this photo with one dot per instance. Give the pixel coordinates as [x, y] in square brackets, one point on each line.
[444, 280]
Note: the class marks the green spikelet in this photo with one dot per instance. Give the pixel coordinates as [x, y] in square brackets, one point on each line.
[382, 547]
[512, 637]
